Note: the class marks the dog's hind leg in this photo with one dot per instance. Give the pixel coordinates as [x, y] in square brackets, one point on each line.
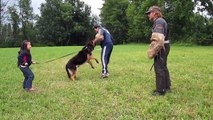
[68, 72]
[73, 77]
[74, 72]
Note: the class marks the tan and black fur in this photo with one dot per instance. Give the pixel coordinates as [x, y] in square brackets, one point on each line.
[83, 56]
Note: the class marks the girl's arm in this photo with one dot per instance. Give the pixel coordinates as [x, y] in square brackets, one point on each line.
[22, 58]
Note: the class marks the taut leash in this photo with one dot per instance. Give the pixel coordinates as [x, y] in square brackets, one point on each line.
[58, 58]
[55, 58]
[152, 66]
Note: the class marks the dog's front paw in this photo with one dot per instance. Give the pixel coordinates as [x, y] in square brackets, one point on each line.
[97, 61]
[93, 67]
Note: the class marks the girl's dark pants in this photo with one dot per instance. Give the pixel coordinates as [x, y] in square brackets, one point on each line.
[29, 76]
[161, 71]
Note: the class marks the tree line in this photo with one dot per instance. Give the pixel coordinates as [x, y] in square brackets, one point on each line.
[70, 22]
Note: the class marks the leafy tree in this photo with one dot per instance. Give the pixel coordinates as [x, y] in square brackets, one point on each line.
[15, 21]
[49, 26]
[176, 12]
[185, 25]
[3, 4]
[203, 30]
[139, 25]
[7, 33]
[113, 16]
[26, 17]
[136, 16]
[205, 5]
[178, 16]
[69, 22]
[64, 23]
[82, 21]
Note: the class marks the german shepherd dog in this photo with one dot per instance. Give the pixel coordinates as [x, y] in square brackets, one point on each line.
[83, 56]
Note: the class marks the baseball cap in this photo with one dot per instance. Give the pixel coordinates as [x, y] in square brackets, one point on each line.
[153, 8]
[96, 26]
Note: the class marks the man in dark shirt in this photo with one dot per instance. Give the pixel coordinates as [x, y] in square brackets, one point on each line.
[160, 32]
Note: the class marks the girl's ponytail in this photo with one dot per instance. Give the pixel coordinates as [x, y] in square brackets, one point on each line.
[23, 47]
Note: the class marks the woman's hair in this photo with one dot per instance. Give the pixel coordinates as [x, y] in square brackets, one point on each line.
[23, 46]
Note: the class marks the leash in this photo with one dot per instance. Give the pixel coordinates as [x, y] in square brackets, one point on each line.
[56, 58]
[152, 66]
[158, 57]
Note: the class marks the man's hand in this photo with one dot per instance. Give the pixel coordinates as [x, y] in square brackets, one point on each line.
[99, 37]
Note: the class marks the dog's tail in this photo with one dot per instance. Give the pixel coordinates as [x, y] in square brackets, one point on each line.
[68, 71]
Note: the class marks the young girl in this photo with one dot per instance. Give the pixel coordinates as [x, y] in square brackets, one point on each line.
[24, 61]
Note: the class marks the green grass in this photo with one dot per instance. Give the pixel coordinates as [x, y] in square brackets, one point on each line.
[125, 95]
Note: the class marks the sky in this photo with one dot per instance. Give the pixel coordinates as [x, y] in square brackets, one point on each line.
[95, 5]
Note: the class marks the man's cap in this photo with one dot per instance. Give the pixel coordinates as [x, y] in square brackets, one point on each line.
[153, 8]
[96, 26]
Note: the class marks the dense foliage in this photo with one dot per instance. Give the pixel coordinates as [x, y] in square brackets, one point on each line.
[69, 22]
[64, 23]
[185, 25]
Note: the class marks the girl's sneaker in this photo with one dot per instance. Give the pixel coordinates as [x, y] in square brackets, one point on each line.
[30, 89]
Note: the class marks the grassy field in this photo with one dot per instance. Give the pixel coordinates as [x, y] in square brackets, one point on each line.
[125, 95]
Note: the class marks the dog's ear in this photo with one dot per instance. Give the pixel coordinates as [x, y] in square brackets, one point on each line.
[88, 43]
